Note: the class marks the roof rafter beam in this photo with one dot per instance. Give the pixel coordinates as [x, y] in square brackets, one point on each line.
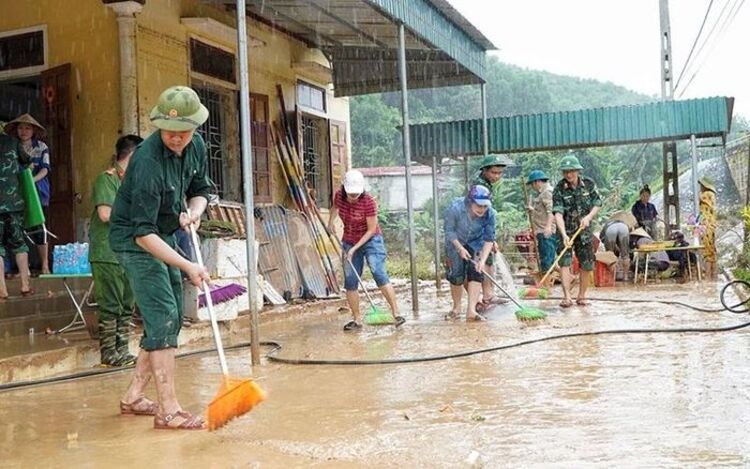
[317, 6]
[315, 34]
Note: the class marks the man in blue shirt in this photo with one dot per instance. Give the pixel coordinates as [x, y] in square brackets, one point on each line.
[469, 238]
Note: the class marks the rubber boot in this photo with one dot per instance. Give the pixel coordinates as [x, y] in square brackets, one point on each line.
[107, 342]
[121, 341]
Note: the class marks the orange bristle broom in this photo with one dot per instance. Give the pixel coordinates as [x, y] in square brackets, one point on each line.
[236, 396]
[540, 290]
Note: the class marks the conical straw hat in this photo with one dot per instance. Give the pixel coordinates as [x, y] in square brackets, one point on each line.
[640, 232]
[625, 217]
[10, 127]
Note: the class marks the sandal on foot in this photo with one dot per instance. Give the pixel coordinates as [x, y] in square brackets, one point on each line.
[28, 292]
[476, 317]
[495, 300]
[126, 360]
[452, 316]
[582, 302]
[179, 420]
[399, 320]
[141, 406]
[566, 304]
[352, 326]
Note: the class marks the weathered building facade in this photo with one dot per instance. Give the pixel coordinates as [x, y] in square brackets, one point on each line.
[91, 70]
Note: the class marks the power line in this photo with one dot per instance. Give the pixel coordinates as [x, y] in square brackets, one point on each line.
[707, 38]
[692, 49]
[728, 20]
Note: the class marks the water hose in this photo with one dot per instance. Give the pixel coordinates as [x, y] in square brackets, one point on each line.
[276, 346]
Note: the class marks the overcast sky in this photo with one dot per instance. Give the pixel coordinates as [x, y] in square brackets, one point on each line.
[618, 41]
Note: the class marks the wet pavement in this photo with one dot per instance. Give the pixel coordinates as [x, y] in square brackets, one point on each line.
[652, 400]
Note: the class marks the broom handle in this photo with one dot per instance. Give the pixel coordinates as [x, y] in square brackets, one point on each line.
[497, 284]
[532, 245]
[209, 302]
[359, 279]
[562, 253]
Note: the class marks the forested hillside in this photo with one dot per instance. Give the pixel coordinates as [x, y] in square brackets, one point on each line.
[510, 90]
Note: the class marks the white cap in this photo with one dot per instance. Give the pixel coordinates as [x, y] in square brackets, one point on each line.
[354, 182]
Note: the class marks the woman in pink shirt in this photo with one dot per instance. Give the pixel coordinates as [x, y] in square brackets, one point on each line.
[362, 240]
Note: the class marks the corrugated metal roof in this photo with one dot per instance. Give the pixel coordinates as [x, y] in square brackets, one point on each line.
[361, 39]
[416, 170]
[657, 121]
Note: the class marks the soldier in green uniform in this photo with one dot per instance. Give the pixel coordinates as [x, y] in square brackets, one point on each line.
[111, 286]
[489, 175]
[575, 202]
[167, 179]
[12, 157]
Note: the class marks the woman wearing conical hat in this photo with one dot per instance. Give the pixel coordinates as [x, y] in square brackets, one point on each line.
[29, 132]
[707, 206]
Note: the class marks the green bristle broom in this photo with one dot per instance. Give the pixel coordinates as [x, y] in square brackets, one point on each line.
[374, 316]
[524, 313]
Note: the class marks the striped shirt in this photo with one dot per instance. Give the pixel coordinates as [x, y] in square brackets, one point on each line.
[354, 215]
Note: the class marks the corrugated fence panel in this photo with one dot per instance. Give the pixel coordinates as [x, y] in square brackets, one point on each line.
[657, 121]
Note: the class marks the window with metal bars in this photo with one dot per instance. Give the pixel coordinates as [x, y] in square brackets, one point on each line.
[316, 158]
[213, 133]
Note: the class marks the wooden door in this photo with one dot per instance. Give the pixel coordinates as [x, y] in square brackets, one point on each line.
[56, 118]
[337, 133]
[259, 130]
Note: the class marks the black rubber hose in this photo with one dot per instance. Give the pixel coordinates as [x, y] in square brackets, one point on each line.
[636, 300]
[434, 358]
[109, 371]
[736, 308]
[271, 355]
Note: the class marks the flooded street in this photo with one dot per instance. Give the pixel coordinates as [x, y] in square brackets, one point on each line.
[648, 400]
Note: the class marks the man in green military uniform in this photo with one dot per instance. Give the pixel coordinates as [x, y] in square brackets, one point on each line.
[167, 170]
[112, 288]
[12, 206]
[489, 175]
[575, 202]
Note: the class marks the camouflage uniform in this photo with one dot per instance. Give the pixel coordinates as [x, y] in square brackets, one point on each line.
[574, 204]
[12, 206]
[112, 289]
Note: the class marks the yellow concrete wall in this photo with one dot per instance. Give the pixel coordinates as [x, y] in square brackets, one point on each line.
[88, 41]
[163, 61]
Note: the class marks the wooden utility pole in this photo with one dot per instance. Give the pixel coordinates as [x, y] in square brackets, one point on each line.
[670, 170]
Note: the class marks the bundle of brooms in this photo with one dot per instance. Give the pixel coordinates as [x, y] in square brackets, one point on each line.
[291, 168]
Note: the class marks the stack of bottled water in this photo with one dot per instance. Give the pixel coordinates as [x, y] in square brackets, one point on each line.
[71, 258]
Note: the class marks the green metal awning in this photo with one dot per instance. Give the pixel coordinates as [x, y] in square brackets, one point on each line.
[360, 39]
[650, 122]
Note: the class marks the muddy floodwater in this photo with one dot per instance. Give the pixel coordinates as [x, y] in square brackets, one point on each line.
[648, 400]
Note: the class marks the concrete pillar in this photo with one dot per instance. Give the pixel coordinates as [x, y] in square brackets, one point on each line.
[126, 24]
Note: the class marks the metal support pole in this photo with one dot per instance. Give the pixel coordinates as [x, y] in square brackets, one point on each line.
[247, 171]
[466, 172]
[694, 166]
[485, 135]
[407, 161]
[436, 222]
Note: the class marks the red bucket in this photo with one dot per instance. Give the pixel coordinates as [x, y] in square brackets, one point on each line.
[603, 275]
